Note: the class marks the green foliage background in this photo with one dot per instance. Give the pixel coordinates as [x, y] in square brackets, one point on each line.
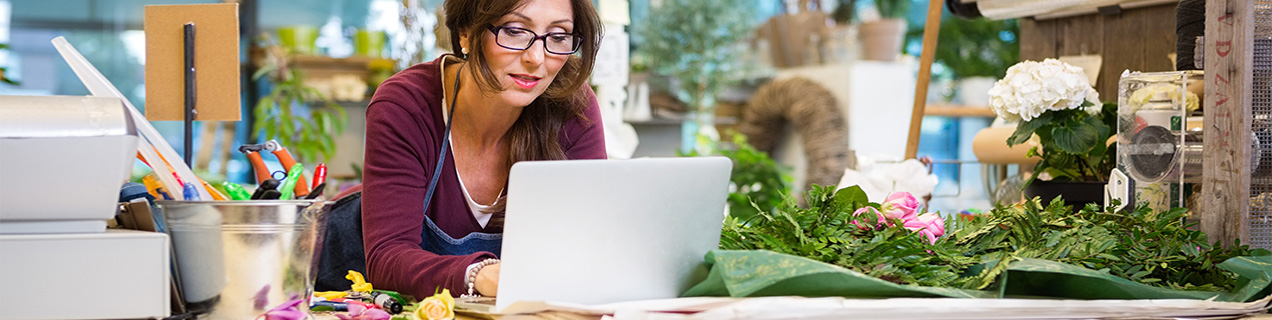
[975, 47]
[694, 42]
[280, 114]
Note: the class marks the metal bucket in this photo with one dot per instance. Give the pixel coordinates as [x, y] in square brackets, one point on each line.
[238, 259]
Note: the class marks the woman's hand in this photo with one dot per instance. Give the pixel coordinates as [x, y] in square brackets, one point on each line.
[487, 283]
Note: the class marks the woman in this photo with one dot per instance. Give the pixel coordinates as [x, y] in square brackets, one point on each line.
[517, 91]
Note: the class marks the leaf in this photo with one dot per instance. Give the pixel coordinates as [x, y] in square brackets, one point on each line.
[847, 198]
[1076, 136]
[1026, 129]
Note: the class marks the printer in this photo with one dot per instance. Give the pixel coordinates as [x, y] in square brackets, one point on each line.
[62, 162]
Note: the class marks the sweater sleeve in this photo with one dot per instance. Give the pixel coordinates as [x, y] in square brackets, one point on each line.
[584, 138]
[398, 167]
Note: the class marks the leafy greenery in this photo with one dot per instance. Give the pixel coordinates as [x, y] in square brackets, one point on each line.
[975, 47]
[694, 42]
[758, 183]
[280, 113]
[1146, 246]
[1154, 248]
[896, 9]
[1072, 143]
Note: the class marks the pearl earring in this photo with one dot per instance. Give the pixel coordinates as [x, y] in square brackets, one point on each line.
[463, 50]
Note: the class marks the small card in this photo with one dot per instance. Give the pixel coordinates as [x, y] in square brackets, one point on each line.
[1090, 65]
[216, 61]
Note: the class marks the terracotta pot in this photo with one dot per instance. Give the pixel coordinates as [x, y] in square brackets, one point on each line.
[1075, 193]
[881, 39]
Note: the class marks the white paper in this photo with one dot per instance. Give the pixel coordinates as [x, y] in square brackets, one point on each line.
[709, 308]
[615, 12]
[1090, 65]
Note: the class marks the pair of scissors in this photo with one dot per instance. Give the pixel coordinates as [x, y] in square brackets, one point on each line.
[252, 151]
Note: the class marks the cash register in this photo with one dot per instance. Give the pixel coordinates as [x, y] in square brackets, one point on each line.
[62, 162]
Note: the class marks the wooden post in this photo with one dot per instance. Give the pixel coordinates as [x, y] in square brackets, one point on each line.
[931, 31]
[1225, 204]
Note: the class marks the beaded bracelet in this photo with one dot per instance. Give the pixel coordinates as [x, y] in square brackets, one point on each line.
[472, 275]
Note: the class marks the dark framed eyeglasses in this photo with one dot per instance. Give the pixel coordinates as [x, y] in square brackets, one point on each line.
[521, 39]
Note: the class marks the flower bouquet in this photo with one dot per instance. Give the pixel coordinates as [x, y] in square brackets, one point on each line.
[842, 245]
[1054, 102]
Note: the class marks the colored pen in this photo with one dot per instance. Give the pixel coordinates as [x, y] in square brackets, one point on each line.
[337, 306]
[289, 184]
[190, 192]
[358, 302]
[320, 176]
[235, 190]
[216, 194]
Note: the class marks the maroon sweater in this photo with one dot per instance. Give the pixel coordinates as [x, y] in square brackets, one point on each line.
[404, 131]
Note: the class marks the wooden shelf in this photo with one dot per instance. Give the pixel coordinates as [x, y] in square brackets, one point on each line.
[958, 111]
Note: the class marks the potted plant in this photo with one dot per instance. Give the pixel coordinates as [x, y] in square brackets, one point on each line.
[881, 38]
[978, 52]
[1054, 103]
[843, 37]
[694, 42]
[284, 114]
[844, 12]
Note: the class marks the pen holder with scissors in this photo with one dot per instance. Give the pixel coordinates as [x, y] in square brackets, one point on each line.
[238, 259]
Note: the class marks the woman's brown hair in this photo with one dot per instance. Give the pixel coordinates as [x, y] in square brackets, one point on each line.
[534, 135]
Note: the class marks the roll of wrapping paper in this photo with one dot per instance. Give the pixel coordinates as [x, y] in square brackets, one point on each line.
[990, 147]
[1007, 9]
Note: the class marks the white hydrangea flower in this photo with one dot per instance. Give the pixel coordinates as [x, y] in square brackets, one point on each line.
[1031, 88]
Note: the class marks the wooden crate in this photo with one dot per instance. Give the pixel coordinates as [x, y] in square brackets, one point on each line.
[1139, 39]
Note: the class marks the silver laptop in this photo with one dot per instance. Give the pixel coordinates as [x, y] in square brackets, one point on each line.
[600, 231]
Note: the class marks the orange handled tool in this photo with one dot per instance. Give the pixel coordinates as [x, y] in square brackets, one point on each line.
[284, 157]
[252, 151]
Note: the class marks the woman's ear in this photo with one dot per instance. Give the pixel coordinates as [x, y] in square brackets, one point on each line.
[463, 43]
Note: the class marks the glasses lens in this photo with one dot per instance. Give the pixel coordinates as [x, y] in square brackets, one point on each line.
[514, 38]
[562, 43]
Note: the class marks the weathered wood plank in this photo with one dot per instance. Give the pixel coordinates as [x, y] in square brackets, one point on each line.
[1159, 37]
[1229, 65]
[1037, 39]
[1081, 35]
[1123, 50]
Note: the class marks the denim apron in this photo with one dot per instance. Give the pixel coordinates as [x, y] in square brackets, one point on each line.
[434, 240]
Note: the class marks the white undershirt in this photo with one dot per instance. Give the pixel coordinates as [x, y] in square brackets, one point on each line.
[478, 209]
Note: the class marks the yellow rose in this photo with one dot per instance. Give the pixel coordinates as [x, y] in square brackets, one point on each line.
[440, 306]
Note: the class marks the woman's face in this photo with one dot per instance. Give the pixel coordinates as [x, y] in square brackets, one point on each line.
[525, 74]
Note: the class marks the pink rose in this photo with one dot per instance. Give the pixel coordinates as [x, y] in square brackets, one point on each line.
[928, 224]
[879, 216]
[900, 206]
